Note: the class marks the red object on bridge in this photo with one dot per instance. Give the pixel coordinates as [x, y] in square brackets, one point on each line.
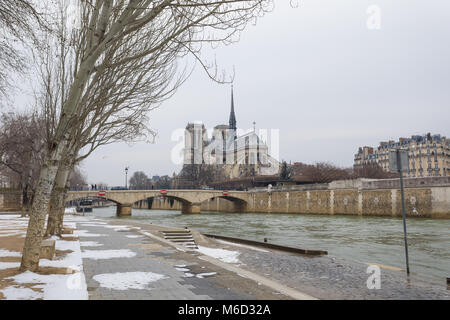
[102, 193]
[163, 191]
[225, 193]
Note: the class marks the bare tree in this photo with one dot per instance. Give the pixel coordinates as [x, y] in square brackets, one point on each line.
[164, 182]
[200, 175]
[140, 181]
[77, 178]
[114, 39]
[372, 171]
[22, 149]
[322, 172]
[18, 19]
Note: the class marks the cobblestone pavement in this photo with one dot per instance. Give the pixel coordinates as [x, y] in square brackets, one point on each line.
[329, 277]
[185, 276]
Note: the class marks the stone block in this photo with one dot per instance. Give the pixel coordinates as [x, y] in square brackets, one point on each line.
[47, 249]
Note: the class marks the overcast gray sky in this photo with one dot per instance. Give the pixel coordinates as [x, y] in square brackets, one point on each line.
[319, 75]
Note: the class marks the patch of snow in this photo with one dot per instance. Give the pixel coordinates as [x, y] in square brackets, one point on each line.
[13, 293]
[56, 286]
[128, 280]
[90, 224]
[221, 254]
[70, 210]
[182, 269]
[70, 260]
[85, 233]
[107, 254]
[63, 245]
[115, 227]
[15, 233]
[9, 216]
[7, 253]
[203, 275]
[9, 265]
[90, 244]
[188, 275]
[133, 236]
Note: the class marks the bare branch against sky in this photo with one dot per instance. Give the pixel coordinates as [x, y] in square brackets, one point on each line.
[331, 75]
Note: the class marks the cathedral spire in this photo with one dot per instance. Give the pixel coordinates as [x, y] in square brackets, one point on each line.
[232, 115]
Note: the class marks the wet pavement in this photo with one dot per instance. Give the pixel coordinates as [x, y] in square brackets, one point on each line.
[336, 278]
[125, 249]
[113, 255]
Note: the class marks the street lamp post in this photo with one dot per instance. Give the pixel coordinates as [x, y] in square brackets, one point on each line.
[126, 178]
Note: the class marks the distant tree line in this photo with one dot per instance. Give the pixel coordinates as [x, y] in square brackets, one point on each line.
[324, 172]
[140, 181]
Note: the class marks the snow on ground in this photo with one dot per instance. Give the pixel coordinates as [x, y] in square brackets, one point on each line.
[203, 275]
[13, 293]
[221, 254]
[12, 225]
[133, 236]
[92, 223]
[54, 286]
[12, 233]
[71, 260]
[10, 217]
[85, 233]
[117, 227]
[9, 265]
[90, 244]
[70, 210]
[7, 253]
[183, 269]
[128, 280]
[107, 254]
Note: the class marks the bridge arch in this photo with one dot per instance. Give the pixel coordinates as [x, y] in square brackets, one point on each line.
[190, 200]
[92, 198]
[239, 205]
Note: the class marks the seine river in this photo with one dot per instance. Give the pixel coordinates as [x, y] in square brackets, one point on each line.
[365, 239]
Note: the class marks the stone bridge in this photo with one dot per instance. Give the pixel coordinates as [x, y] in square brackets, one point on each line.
[190, 199]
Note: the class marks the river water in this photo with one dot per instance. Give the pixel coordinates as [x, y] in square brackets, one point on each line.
[366, 239]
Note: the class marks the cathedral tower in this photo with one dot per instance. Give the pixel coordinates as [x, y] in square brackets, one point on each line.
[232, 122]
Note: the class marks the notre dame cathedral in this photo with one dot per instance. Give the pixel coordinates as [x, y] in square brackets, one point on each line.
[225, 155]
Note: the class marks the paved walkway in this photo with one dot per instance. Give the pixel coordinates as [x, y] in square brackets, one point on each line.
[258, 274]
[114, 255]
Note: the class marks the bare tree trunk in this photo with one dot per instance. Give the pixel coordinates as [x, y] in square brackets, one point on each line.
[39, 209]
[54, 226]
[26, 201]
[60, 213]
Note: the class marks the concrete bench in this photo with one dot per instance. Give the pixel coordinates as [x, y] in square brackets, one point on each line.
[47, 249]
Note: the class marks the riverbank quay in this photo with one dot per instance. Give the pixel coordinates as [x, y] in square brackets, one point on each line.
[102, 260]
[128, 260]
[320, 277]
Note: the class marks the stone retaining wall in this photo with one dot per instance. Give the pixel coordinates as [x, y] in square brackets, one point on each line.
[431, 202]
